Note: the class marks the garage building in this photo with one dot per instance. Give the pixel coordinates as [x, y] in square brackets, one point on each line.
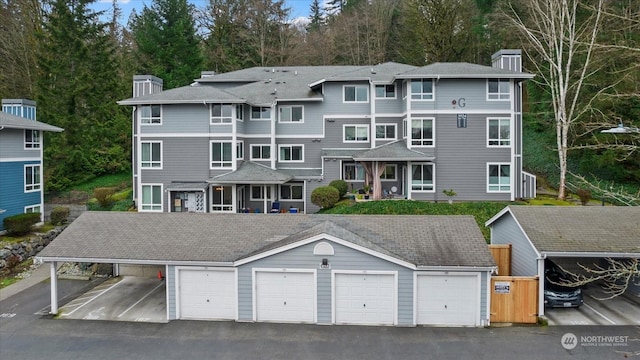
[318, 269]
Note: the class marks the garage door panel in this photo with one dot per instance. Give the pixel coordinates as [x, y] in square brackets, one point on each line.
[365, 299]
[447, 299]
[207, 294]
[287, 297]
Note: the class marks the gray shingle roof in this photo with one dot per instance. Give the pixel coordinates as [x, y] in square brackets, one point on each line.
[225, 238]
[10, 121]
[186, 94]
[396, 150]
[250, 172]
[581, 228]
[187, 186]
[302, 173]
[462, 70]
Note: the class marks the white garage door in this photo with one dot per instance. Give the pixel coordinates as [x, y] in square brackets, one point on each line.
[447, 300]
[285, 296]
[207, 294]
[366, 299]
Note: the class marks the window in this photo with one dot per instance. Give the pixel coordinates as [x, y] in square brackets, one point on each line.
[257, 192]
[422, 132]
[240, 150]
[291, 153]
[291, 192]
[385, 91]
[356, 133]
[291, 114]
[499, 178]
[422, 177]
[356, 93]
[222, 199]
[389, 173]
[260, 152]
[32, 139]
[151, 198]
[498, 89]
[260, 113]
[151, 114]
[353, 172]
[221, 113]
[422, 89]
[32, 209]
[499, 132]
[386, 132]
[151, 155]
[221, 155]
[240, 112]
[31, 178]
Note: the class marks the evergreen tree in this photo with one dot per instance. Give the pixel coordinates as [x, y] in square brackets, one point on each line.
[77, 90]
[166, 42]
[316, 16]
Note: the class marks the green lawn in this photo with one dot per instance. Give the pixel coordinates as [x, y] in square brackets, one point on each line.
[121, 181]
[481, 211]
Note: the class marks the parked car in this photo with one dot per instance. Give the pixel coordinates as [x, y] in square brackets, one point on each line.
[556, 294]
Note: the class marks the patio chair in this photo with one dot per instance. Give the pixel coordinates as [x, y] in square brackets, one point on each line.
[275, 207]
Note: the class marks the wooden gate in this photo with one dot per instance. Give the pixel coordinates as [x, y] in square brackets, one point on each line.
[514, 299]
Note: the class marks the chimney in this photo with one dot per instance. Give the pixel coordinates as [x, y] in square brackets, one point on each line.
[20, 107]
[507, 59]
[146, 85]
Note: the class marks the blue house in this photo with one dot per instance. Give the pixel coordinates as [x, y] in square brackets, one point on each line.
[256, 137]
[21, 168]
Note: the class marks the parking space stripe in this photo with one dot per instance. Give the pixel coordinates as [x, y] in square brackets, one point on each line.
[600, 314]
[93, 298]
[139, 301]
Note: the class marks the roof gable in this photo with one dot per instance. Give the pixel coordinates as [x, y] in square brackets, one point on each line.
[10, 121]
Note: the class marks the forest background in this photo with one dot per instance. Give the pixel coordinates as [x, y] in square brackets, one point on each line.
[76, 62]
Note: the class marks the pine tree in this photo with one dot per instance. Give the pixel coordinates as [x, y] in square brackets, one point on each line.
[166, 42]
[316, 16]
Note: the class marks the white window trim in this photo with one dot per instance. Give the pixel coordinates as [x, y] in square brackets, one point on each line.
[35, 186]
[433, 91]
[344, 133]
[211, 167]
[355, 165]
[499, 139]
[151, 123]
[499, 94]
[291, 146]
[300, 185]
[221, 117]
[260, 146]
[151, 161]
[433, 175]
[395, 92]
[510, 177]
[31, 207]
[433, 132]
[395, 131]
[395, 173]
[261, 118]
[261, 187]
[344, 87]
[240, 112]
[35, 145]
[240, 150]
[161, 198]
[280, 120]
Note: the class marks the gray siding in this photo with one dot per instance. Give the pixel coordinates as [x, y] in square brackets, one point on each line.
[335, 136]
[183, 159]
[484, 277]
[334, 104]
[523, 256]
[183, 118]
[312, 125]
[344, 259]
[171, 292]
[12, 145]
[312, 151]
[474, 92]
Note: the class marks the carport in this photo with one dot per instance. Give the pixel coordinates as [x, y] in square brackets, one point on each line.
[566, 232]
[404, 270]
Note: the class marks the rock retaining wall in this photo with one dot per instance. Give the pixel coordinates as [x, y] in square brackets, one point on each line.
[26, 249]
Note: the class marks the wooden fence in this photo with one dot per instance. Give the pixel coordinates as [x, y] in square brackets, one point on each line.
[502, 256]
[514, 299]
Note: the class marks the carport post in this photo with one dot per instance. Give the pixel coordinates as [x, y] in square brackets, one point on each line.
[540, 286]
[54, 288]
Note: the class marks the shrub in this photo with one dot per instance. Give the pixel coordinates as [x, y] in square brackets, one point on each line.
[341, 185]
[21, 224]
[104, 195]
[325, 196]
[584, 195]
[59, 215]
